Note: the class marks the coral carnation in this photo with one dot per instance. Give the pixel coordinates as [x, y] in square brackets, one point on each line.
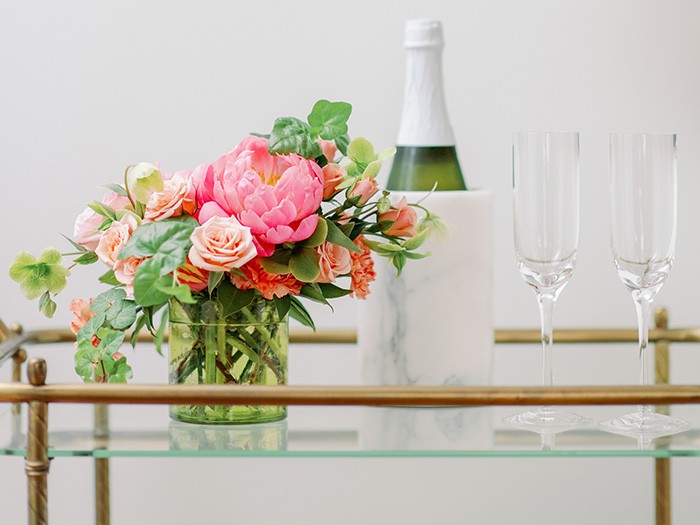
[362, 272]
[81, 310]
[269, 285]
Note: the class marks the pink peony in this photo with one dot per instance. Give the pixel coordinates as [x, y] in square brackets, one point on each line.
[362, 272]
[334, 261]
[86, 224]
[114, 238]
[329, 149]
[404, 219]
[364, 188]
[176, 197]
[221, 244]
[275, 196]
[269, 285]
[333, 174]
[125, 271]
[196, 278]
[81, 310]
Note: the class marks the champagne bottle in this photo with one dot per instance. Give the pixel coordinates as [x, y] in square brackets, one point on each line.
[434, 324]
[425, 154]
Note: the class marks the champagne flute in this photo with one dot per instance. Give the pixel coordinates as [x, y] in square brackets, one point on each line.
[546, 224]
[643, 236]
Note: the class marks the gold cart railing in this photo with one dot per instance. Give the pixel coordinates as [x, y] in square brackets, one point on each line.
[38, 395]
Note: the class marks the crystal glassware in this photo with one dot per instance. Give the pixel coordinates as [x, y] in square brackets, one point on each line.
[643, 235]
[546, 224]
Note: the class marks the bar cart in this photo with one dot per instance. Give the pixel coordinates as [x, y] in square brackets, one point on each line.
[40, 445]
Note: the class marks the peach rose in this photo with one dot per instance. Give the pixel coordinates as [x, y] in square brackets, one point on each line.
[334, 260]
[176, 197]
[221, 244]
[81, 310]
[333, 174]
[85, 230]
[114, 238]
[125, 270]
[329, 149]
[404, 220]
[364, 188]
[362, 272]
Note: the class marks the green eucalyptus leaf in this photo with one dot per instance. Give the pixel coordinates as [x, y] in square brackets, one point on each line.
[282, 304]
[111, 342]
[102, 209]
[85, 362]
[166, 242]
[331, 291]
[329, 120]
[77, 246]
[181, 292]
[417, 240]
[232, 299]
[86, 258]
[105, 300]
[291, 135]
[313, 292]
[109, 278]
[299, 312]
[318, 236]
[116, 188]
[214, 280]
[337, 236]
[304, 264]
[119, 371]
[160, 334]
[414, 255]
[146, 281]
[140, 323]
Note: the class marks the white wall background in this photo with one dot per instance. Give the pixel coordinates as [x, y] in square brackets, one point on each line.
[87, 88]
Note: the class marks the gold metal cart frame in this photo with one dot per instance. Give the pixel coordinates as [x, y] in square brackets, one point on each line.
[38, 395]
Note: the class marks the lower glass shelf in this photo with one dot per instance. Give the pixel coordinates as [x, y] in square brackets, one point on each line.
[147, 431]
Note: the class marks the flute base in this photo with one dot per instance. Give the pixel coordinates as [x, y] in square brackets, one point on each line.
[547, 420]
[645, 425]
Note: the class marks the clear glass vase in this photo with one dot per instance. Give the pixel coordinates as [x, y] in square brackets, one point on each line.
[211, 346]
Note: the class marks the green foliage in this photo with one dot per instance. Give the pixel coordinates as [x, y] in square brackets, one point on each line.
[232, 299]
[86, 258]
[291, 135]
[327, 120]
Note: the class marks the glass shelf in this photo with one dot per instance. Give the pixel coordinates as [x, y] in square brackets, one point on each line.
[147, 431]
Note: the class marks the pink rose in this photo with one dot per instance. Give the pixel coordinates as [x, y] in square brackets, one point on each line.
[404, 220]
[276, 196]
[81, 310]
[329, 149]
[333, 174]
[176, 197]
[364, 188]
[125, 270]
[334, 260]
[114, 238]
[85, 230]
[221, 244]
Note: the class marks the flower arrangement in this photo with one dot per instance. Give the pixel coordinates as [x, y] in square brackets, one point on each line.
[289, 215]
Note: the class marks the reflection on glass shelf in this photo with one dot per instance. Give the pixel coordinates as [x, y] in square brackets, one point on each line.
[339, 432]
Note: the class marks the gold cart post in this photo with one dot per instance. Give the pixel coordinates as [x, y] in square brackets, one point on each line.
[37, 460]
[662, 465]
